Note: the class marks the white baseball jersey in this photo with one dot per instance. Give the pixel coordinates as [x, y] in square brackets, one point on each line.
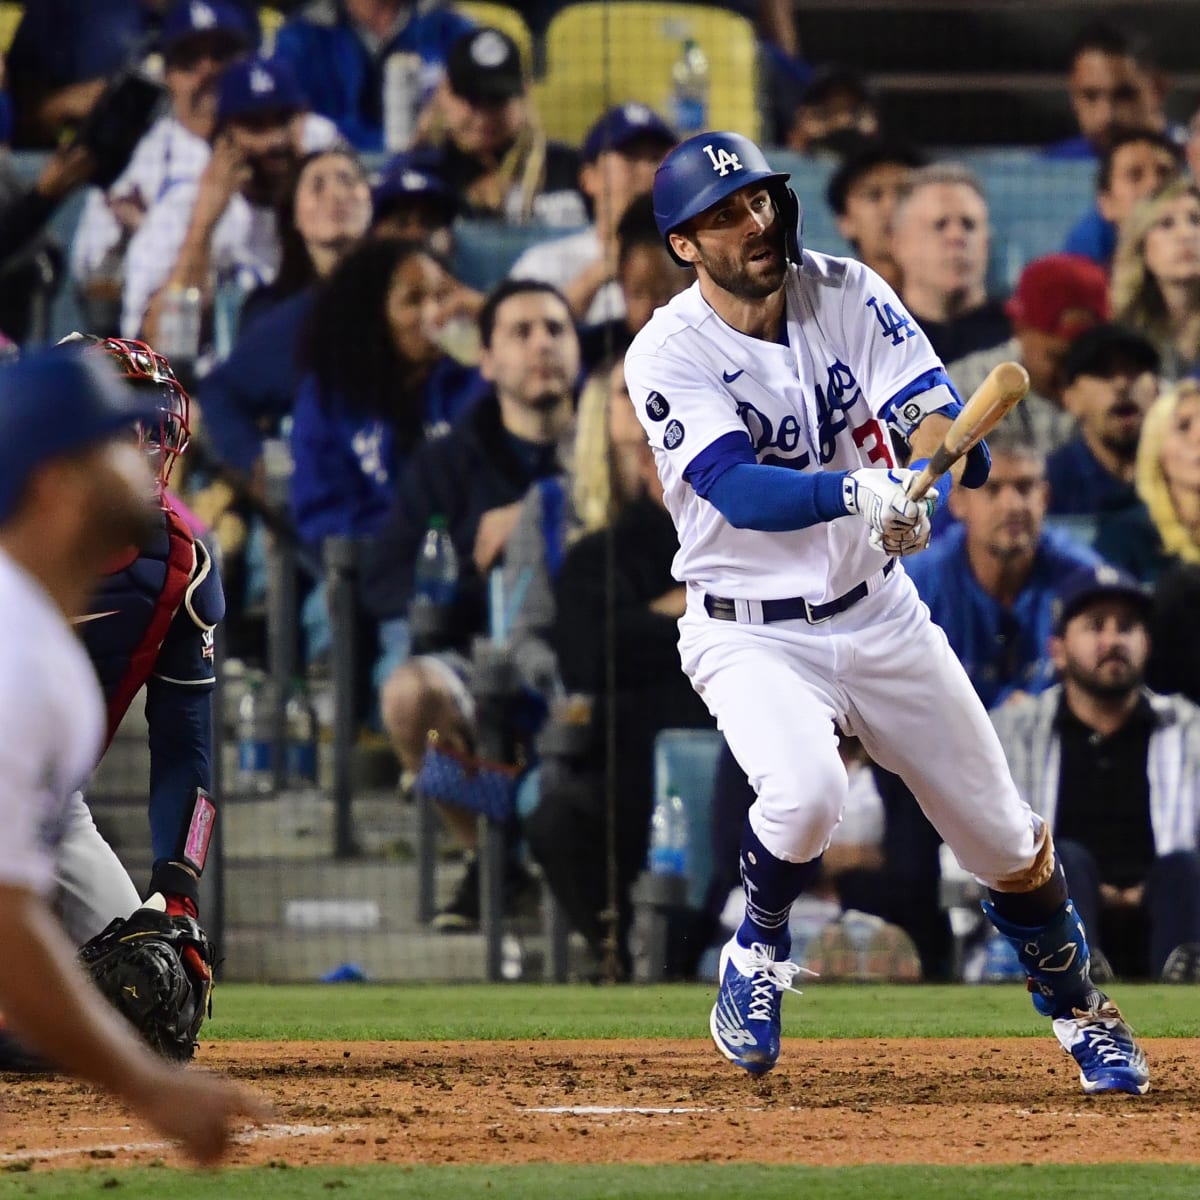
[814, 404]
[51, 728]
[559, 262]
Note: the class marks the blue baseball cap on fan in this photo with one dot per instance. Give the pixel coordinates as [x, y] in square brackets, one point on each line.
[221, 20]
[1087, 584]
[256, 86]
[624, 125]
[55, 402]
[408, 177]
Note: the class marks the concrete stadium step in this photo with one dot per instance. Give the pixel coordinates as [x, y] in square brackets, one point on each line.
[263, 956]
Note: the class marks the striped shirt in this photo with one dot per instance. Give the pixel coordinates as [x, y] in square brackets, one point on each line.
[1030, 738]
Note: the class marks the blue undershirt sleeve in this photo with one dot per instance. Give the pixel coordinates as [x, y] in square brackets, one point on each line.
[751, 495]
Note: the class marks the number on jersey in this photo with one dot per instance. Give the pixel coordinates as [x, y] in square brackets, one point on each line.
[892, 322]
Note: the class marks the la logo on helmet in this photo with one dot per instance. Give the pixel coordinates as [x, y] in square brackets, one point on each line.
[722, 161]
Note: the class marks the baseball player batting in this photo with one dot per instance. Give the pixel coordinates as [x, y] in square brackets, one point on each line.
[767, 391]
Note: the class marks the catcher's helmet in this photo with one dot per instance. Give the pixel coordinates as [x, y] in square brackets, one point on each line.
[705, 169]
[166, 437]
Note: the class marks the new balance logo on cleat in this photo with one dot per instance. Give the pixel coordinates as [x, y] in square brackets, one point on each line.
[1102, 1044]
[745, 1020]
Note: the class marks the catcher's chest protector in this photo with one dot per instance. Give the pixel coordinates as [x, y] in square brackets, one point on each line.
[132, 611]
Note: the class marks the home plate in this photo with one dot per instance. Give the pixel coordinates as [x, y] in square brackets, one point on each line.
[264, 1133]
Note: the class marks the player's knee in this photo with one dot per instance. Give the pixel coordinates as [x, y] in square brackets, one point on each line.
[798, 817]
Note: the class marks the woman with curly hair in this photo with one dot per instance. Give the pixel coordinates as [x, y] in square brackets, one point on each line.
[1156, 275]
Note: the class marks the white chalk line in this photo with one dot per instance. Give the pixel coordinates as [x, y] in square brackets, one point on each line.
[264, 1133]
[604, 1110]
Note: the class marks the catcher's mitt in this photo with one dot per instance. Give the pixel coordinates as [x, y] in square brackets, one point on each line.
[156, 970]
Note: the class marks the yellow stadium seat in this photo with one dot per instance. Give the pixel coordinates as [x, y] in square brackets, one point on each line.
[507, 20]
[10, 18]
[598, 55]
[270, 19]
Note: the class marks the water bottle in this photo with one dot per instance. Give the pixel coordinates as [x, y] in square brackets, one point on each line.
[689, 90]
[669, 835]
[179, 321]
[401, 100]
[301, 755]
[254, 739]
[436, 576]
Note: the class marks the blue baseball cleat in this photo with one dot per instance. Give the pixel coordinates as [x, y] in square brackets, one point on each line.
[1103, 1046]
[745, 1019]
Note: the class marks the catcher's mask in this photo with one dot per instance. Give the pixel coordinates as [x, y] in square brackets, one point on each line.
[167, 438]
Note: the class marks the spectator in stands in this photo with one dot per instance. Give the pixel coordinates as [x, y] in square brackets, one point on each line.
[632, 574]
[481, 136]
[647, 276]
[377, 386]
[222, 227]
[1110, 379]
[475, 478]
[339, 50]
[835, 113]
[990, 581]
[63, 55]
[199, 39]
[940, 241]
[1156, 276]
[556, 512]
[621, 153]
[325, 211]
[1114, 83]
[862, 194]
[1146, 539]
[1114, 769]
[1057, 297]
[1132, 166]
[255, 388]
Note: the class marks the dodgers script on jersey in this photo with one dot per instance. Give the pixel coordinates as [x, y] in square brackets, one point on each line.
[817, 403]
[51, 727]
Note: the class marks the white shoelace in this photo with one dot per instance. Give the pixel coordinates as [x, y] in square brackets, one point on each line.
[769, 978]
[1102, 1043]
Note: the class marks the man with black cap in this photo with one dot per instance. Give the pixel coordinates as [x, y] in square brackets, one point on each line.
[478, 135]
[1110, 379]
[339, 50]
[621, 153]
[74, 491]
[222, 226]
[1114, 769]
[199, 39]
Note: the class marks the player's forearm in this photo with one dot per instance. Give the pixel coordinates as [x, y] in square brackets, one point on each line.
[776, 499]
[51, 1004]
[927, 437]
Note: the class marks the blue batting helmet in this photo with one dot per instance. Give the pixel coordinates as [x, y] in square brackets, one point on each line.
[54, 403]
[705, 169]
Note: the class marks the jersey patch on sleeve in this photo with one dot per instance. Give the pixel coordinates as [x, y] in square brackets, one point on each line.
[657, 407]
[673, 435]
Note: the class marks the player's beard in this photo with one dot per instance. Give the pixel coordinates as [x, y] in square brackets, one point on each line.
[735, 278]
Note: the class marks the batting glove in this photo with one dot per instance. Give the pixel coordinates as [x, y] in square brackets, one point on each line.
[877, 495]
[911, 542]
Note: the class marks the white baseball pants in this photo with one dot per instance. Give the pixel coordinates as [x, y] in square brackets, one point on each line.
[884, 672]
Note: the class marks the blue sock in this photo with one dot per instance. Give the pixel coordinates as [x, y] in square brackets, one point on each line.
[770, 885]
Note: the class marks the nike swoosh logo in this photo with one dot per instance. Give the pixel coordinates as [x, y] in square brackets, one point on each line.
[729, 377]
[112, 612]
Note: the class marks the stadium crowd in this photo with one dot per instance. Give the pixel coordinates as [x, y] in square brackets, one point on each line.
[246, 215]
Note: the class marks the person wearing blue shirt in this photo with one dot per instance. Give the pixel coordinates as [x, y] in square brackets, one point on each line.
[991, 579]
[1110, 378]
[339, 49]
[377, 384]
[1134, 165]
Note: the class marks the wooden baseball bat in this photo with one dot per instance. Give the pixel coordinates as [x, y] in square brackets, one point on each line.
[991, 402]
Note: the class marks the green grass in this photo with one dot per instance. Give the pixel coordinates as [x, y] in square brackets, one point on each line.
[623, 1183]
[365, 1012]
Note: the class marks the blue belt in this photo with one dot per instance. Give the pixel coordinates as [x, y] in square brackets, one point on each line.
[794, 608]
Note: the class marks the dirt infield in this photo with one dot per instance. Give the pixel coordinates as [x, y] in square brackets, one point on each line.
[829, 1103]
